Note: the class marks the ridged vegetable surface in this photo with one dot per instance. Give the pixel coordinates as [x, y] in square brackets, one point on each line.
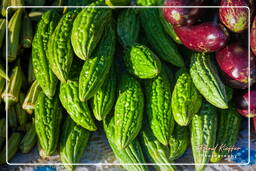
[158, 107]
[77, 110]
[160, 42]
[60, 53]
[22, 117]
[148, 2]
[105, 97]
[205, 77]
[88, 28]
[142, 62]
[154, 151]
[128, 112]
[227, 135]
[179, 141]
[44, 75]
[73, 142]
[132, 154]
[186, 100]
[117, 2]
[128, 27]
[95, 69]
[2, 31]
[203, 134]
[3, 127]
[48, 116]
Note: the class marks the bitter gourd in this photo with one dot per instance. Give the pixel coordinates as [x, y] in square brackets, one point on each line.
[207, 81]
[186, 100]
[44, 75]
[154, 151]
[88, 28]
[128, 112]
[228, 130]
[128, 27]
[142, 62]
[117, 2]
[104, 98]
[158, 107]
[60, 52]
[95, 69]
[77, 110]
[161, 44]
[73, 142]
[179, 141]
[132, 154]
[203, 134]
[48, 116]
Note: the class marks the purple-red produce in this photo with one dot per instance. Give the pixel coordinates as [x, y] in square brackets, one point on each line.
[205, 37]
[233, 62]
[253, 36]
[236, 19]
[242, 103]
[254, 124]
[182, 16]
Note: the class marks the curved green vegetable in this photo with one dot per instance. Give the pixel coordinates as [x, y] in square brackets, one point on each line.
[186, 100]
[207, 81]
[29, 140]
[203, 134]
[73, 142]
[77, 110]
[128, 27]
[128, 113]
[88, 28]
[95, 70]
[60, 53]
[44, 75]
[104, 99]
[48, 116]
[158, 107]
[2, 31]
[142, 62]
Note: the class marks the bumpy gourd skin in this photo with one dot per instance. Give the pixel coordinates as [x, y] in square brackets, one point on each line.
[128, 113]
[142, 62]
[205, 77]
[95, 69]
[179, 141]
[158, 107]
[105, 97]
[88, 28]
[128, 27]
[77, 110]
[48, 116]
[154, 151]
[186, 100]
[44, 75]
[132, 154]
[161, 44]
[60, 52]
[203, 134]
[73, 142]
[228, 130]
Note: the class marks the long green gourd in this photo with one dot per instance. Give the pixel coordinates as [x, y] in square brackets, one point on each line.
[88, 28]
[48, 116]
[73, 142]
[60, 53]
[186, 99]
[203, 134]
[44, 75]
[95, 69]
[128, 112]
[158, 107]
[207, 81]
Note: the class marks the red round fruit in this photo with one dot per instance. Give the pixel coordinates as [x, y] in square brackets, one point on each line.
[233, 62]
[182, 16]
[205, 37]
[234, 18]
